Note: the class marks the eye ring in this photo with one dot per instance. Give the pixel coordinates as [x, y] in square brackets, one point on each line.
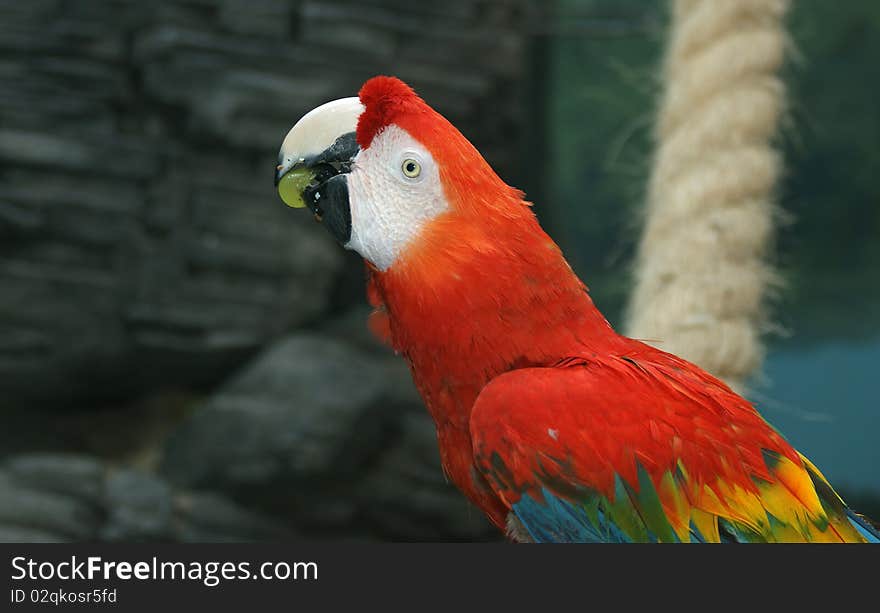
[411, 168]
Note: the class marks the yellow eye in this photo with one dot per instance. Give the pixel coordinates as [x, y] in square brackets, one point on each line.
[411, 168]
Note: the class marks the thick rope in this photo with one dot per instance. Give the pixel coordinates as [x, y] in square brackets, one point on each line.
[701, 275]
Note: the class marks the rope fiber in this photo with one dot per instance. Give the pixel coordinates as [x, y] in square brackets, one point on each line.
[701, 273]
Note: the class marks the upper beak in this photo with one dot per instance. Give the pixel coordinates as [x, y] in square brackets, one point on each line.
[323, 135]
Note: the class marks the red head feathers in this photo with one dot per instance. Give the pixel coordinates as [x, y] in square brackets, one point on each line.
[385, 99]
[469, 182]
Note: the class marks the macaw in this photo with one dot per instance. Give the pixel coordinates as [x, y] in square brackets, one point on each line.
[556, 426]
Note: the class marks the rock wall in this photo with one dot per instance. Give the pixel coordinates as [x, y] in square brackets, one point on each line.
[145, 259]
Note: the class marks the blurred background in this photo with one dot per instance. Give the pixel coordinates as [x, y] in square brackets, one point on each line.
[183, 358]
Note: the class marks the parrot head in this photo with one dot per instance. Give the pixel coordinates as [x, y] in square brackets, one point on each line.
[384, 171]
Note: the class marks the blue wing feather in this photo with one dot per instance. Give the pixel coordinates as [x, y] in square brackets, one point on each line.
[871, 534]
[555, 520]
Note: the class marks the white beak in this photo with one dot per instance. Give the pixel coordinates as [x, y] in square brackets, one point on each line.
[317, 131]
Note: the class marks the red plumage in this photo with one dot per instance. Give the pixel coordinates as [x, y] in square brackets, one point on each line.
[384, 99]
[642, 407]
[488, 313]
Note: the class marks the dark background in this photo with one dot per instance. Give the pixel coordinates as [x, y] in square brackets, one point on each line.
[184, 358]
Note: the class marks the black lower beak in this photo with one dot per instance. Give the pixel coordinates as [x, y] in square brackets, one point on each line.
[329, 202]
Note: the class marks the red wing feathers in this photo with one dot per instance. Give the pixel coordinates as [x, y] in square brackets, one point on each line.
[646, 447]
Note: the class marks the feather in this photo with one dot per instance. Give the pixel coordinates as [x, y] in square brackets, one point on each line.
[626, 480]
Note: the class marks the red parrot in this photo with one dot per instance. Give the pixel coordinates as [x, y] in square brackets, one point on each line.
[557, 427]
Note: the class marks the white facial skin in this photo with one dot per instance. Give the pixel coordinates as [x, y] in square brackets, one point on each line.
[394, 189]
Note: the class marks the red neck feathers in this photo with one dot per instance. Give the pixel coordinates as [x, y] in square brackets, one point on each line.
[475, 299]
